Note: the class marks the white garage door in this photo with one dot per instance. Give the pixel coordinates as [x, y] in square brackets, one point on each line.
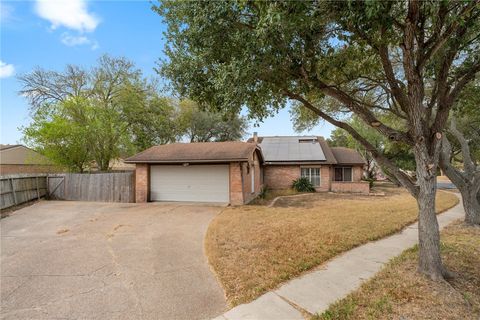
[206, 183]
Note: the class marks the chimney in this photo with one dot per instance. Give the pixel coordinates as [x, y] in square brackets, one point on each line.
[255, 137]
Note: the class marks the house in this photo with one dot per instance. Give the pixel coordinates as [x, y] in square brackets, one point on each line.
[288, 158]
[228, 172]
[234, 172]
[20, 159]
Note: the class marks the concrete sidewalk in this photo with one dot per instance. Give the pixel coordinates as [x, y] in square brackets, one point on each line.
[315, 291]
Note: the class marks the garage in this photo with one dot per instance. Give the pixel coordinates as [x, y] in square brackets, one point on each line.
[222, 172]
[204, 183]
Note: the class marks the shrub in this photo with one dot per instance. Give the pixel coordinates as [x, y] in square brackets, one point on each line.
[263, 192]
[370, 182]
[303, 185]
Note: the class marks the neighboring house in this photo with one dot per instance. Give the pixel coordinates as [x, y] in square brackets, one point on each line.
[288, 158]
[20, 159]
[235, 172]
[228, 172]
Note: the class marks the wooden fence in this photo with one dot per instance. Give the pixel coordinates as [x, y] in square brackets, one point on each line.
[102, 187]
[19, 188]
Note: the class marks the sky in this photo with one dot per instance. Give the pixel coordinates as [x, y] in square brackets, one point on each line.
[54, 33]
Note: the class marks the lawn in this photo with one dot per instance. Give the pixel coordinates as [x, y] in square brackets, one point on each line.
[399, 292]
[254, 248]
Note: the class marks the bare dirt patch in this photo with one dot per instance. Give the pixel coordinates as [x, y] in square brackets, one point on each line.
[399, 292]
[254, 248]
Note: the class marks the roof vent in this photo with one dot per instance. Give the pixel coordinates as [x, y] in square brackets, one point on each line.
[307, 140]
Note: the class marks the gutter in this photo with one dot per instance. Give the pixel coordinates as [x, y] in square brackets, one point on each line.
[186, 161]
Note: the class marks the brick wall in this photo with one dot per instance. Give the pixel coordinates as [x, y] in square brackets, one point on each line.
[142, 183]
[351, 187]
[236, 190]
[28, 168]
[357, 173]
[280, 177]
[248, 170]
[325, 178]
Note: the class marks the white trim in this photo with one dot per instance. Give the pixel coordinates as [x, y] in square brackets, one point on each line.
[310, 175]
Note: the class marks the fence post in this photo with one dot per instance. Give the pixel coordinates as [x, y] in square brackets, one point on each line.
[38, 189]
[13, 192]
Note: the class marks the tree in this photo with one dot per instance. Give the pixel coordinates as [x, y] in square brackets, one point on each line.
[121, 112]
[468, 180]
[59, 138]
[411, 58]
[467, 141]
[398, 153]
[199, 125]
[151, 118]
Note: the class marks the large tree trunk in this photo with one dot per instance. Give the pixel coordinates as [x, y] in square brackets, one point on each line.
[467, 182]
[470, 191]
[471, 204]
[430, 262]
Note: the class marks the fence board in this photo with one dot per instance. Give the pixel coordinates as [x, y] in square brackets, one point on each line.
[102, 187]
[20, 188]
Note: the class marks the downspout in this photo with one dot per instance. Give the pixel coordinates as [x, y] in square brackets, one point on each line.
[241, 174]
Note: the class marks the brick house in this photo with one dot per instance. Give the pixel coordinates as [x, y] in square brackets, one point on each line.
[328, 168]
[227, 172]
[235, 172]
[16, 158]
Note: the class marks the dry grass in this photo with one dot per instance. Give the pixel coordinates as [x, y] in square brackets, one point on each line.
[254, 248]
[272, 194]
[399, 292]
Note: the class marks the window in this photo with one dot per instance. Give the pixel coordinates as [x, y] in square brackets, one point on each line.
[312, 174]
[343, 174]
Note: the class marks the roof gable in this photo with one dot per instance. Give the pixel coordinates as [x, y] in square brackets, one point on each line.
[20, 155]
[196, 152]
[347, 156]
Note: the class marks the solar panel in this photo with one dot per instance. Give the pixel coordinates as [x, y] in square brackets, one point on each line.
[292, 149]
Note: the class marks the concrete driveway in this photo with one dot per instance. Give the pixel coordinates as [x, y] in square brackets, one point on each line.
[85, 260]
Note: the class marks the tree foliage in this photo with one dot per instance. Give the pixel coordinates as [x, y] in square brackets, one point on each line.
[108, 111]
[198, 125]
[409, 60]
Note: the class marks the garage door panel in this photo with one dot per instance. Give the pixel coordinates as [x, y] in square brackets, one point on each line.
[206, 183]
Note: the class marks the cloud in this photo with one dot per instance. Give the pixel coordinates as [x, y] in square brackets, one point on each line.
[72, 41]
[6, 70]
[72, 14]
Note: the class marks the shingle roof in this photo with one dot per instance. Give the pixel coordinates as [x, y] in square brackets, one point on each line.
[347, 156]
[8, 146]
[327, 151]
[195, 152]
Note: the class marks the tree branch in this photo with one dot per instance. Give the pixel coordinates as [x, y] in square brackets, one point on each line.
[468, 164]
[379, 157]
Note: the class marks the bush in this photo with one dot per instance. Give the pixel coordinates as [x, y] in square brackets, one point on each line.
[370, 182]
[263, 192]
[303, 185]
